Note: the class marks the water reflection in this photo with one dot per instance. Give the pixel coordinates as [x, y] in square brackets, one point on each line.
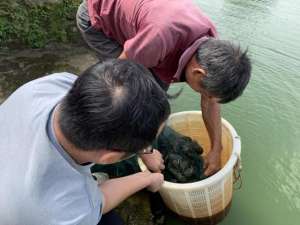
[249, 16]
[253, 4]
[287, 170]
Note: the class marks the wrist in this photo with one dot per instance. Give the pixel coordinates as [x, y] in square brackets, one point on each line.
[217, 148]
[146, 177]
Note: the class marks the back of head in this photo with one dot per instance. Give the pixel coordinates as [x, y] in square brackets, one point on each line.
[227, 68]
[114, 105]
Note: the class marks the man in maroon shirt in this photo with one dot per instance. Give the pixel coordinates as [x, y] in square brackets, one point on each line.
[177, 42]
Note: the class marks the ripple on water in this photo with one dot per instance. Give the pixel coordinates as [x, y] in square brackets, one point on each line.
[285, 177]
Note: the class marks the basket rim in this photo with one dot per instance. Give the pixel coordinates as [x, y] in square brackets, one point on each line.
[217, 177]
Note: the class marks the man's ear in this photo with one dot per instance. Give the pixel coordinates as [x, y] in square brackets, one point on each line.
[199, 72]
[108, 156]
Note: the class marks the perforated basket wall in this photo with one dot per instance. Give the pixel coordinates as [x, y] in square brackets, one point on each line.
[210, 196]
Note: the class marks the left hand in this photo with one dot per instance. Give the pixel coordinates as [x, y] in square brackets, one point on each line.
[212, 162]
[154, 161]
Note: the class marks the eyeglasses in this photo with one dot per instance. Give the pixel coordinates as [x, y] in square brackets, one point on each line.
[147, 150]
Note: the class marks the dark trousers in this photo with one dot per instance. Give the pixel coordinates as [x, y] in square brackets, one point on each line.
[111, 218]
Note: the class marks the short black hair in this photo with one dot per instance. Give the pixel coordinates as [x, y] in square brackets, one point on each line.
[114, 105]
[227, 68]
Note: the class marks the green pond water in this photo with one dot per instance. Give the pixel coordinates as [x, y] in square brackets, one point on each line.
[267, 116]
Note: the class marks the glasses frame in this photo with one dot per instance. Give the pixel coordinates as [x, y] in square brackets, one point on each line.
[148, 150]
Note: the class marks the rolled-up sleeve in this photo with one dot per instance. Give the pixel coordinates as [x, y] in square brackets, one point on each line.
[148, 47]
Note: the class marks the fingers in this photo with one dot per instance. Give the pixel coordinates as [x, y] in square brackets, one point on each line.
[159, 168]
[154, 161]
[207, 172]
[212, 163]
[210, 170]
[157, 180]
[205, 165]
[162, 166]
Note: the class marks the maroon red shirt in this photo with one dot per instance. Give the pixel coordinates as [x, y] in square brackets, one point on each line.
[160, 34]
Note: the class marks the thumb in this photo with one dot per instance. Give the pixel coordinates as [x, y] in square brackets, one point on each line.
[208, 171]
[205, 163]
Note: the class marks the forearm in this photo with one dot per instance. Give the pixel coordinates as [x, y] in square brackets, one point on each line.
[123, 56]
[212, 119]
[117, 190]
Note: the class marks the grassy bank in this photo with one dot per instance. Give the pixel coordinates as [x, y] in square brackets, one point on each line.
[28, 25]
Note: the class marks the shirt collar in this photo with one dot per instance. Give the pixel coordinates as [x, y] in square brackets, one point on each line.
[59, 148]
[186, 56]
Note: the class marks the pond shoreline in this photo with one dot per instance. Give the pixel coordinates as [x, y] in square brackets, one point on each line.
[20, 66]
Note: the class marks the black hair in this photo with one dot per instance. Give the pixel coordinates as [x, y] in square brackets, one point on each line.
[227, 68]
[114, 105]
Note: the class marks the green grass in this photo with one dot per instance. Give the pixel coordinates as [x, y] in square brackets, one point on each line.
[35, 26]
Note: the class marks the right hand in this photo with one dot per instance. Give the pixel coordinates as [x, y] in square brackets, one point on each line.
[154, 161]
[156, 181]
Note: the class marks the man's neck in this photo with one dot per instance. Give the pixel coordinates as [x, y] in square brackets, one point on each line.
[77, 155]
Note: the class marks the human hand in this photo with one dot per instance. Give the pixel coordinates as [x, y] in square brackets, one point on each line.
[212, 162]
[156, 180]
[154, 161]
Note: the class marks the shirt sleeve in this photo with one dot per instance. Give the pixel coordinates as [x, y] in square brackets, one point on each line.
[80, 205]
[149, 46]
[94, 215]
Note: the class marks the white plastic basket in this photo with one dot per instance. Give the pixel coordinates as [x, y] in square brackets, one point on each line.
[209, 197]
